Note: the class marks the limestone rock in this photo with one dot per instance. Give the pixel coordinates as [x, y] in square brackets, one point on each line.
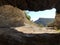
[11, 16]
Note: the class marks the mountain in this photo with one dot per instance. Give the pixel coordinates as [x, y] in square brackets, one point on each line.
[44, 21]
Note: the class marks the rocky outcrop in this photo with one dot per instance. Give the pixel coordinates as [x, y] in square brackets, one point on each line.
[13, 37]
[11, 16]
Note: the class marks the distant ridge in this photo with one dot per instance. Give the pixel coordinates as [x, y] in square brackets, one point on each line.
[44, 21]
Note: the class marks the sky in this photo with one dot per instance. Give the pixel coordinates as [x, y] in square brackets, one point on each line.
[42, 14]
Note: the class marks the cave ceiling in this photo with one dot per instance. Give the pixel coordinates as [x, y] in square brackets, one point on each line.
[33, 5]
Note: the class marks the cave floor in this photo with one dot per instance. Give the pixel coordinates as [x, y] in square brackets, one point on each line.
[30, 29]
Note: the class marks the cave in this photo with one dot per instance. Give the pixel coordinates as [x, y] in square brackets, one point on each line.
[13, 37]
[35, 5]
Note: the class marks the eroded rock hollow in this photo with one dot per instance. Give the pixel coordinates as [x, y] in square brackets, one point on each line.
[31, 4]
[9, 36]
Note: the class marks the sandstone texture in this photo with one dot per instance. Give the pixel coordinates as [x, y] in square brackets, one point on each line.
[11, 16]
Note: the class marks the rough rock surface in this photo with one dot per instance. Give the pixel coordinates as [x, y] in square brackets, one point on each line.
[11, 16]
[17, 3]
[57, 21]
[13, 37]
[31, 4]
[41, 4]
[57, 6]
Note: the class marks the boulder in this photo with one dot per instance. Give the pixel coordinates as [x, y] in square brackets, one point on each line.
[11, 16]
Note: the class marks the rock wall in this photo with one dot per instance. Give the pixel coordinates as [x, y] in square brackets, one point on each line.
[13, 37]
[57, 21]
[17, 3]
[33, 4]
[30, 4]
[41, 4]
[11, 16]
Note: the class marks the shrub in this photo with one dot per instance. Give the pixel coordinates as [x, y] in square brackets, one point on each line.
[27, 16]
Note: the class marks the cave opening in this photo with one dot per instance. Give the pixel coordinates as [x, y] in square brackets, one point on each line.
[43, 17]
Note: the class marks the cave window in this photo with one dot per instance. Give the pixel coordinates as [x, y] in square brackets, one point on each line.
[42, 14]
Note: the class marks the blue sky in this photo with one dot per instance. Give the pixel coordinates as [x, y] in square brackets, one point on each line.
[42, 14]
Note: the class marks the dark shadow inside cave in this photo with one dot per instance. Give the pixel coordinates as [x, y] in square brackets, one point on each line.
[14, 37]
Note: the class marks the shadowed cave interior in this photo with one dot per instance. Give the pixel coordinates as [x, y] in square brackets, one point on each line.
[9, 36]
